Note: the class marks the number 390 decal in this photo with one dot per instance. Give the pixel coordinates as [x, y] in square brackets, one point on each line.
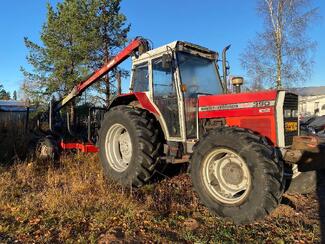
[259, 104]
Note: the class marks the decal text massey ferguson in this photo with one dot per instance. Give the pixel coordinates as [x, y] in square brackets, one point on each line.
[256, 104]
[238, 105]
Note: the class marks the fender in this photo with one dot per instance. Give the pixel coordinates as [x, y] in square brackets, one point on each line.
[141, 97]
[144, 102]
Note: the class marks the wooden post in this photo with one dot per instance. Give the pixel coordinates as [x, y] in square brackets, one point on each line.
[27, 115]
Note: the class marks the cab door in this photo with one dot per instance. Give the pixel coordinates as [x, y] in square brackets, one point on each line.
[165, 96]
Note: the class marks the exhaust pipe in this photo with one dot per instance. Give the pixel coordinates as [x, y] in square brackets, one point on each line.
[224, 67]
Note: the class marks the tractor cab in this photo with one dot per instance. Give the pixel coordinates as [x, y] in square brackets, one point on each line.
[173, 77]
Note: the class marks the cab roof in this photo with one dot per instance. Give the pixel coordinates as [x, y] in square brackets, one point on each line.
[179, 46]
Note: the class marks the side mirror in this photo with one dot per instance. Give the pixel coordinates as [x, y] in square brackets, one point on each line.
[167, 61]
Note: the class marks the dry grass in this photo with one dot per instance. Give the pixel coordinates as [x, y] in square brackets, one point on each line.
[71, 202]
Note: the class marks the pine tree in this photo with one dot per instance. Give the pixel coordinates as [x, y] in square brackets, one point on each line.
[112, 30]
[4, 95]
[14, 96]
[68, 38]
[77, 38]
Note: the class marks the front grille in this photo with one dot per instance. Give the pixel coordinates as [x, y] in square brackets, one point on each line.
[290, 103]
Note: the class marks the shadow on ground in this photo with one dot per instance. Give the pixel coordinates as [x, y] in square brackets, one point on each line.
[317, 162]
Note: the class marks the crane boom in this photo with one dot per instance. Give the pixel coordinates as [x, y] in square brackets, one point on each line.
[136, 44]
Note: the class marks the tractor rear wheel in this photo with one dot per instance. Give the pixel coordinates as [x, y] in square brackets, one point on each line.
[237, 174]
[130, 145]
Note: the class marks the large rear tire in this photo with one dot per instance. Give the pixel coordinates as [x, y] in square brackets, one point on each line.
[130, 145]
[237, 174]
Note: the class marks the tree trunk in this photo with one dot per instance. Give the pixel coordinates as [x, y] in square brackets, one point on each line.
[107, 90]
[278, 45]
[278, 67]
[106, 78]
[118, 80]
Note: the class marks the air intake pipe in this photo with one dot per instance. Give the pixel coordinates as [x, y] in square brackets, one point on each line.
[224, 67]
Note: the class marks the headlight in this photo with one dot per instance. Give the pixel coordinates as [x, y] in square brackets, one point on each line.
[294, 113]
[287, 113]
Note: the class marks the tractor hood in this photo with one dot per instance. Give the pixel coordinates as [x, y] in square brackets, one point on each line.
[234, 105]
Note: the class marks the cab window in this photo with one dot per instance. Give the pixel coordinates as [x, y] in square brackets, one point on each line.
[164, 94]
[141, 78]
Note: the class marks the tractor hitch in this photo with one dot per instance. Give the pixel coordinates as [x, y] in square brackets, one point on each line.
[301, 144]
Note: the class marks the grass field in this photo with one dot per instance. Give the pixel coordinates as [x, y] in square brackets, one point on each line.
[71, 202]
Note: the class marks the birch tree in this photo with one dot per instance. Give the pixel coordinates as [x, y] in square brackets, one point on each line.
[282, 54]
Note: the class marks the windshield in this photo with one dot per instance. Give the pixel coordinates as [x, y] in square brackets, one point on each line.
[198, 74]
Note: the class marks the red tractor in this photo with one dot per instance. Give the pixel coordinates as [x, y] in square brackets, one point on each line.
[179, 110]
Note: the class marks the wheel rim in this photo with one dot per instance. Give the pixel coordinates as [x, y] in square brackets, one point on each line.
[226, 176]
[118, 147]
[43, 151]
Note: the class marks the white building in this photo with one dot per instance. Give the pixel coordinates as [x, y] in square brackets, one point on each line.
[311, 100]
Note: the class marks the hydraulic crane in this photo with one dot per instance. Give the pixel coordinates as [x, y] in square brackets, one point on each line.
[136, 47]
[138, 44]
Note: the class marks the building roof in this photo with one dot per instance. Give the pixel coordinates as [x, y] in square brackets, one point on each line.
[309, 91]
[12, 105]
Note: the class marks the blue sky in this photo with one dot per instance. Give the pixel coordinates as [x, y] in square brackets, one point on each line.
[210, 23]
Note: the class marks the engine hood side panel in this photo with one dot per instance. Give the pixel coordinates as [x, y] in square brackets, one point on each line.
[234, 105]
[254, 111]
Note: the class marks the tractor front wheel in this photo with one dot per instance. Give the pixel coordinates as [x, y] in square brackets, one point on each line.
[237, 174]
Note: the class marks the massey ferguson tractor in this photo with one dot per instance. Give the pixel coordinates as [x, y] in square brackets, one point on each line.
[240, 146]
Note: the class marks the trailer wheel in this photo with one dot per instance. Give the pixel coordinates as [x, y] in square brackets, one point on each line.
[237, 174]
[46, 149]
[130, 145]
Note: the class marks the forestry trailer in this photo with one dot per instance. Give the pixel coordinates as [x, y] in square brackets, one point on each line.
[239, 146]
